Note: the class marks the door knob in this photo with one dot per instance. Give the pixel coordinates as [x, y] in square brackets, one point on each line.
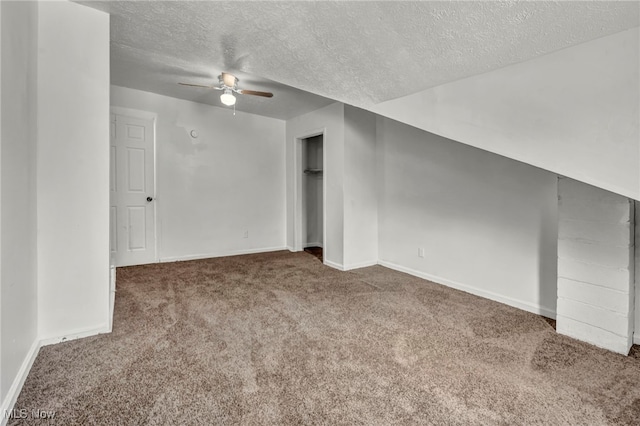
[149, 199]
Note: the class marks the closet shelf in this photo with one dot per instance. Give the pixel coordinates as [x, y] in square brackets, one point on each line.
[313, 171]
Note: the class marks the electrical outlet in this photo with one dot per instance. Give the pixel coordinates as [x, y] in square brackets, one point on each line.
[420, 252]
[245, 234]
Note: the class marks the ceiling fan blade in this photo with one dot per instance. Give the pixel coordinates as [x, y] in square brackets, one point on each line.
[256, 93]
[199, 85]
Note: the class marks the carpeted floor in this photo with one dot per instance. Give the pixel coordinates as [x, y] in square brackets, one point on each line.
[316, 251]
[280, 339]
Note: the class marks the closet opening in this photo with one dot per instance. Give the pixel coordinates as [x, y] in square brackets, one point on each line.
[312, 188]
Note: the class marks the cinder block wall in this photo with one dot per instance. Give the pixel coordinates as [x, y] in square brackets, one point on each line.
[595, 266]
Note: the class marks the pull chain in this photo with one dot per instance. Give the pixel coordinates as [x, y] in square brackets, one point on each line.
[234, 109]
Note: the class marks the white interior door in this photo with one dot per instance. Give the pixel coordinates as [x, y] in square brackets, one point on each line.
[133, 236]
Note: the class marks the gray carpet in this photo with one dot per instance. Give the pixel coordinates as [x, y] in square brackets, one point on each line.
[278, 338]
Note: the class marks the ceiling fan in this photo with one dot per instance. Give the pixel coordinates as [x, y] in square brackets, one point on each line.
[228, 83]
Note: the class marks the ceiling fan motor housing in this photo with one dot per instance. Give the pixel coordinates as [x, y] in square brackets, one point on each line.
[228, 80]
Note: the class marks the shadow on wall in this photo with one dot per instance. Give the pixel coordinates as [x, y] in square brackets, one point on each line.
[548, 264]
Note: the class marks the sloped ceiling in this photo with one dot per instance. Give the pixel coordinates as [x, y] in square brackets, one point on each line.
[360, 53]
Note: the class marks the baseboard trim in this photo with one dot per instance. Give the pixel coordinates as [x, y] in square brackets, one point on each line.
[334, 265]
[74, 335]
[16, 387]
[360, 265]
[636, 338]
[313, 245]
[112, 295]
[12, 395]
[222, 254]
[529, 307]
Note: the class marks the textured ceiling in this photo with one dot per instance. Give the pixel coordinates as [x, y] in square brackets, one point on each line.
[360, 53]
[151, 72]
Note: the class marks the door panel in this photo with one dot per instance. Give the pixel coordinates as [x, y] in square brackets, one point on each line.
[135, 170]
[136, 132]
[137, 228]
[132, 181]
[113, 227]
[112, 175]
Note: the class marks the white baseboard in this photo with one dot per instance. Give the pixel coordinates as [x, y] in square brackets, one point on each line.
[112, 295]
[342, 267]
[334, 265]
[222, 254]
[74, 335]
[636, 338]
[529, 307]
[313, 245]
[360, 265]
[12, 395]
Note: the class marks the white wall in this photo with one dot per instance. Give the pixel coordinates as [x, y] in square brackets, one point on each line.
[212, 189]
[72, 170]
[574, 112]
[488, 224]
[18, 317]
[330, 121]
[360, 191]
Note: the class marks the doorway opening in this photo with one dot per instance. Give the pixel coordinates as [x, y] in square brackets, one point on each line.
[310, 217]
[312, 195]
[132, 187]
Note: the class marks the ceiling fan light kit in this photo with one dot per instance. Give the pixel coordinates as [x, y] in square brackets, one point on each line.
[228, 83]
[227, 98]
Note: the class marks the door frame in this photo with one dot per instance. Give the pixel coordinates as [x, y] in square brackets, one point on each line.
[298, 174]
[144, 115]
